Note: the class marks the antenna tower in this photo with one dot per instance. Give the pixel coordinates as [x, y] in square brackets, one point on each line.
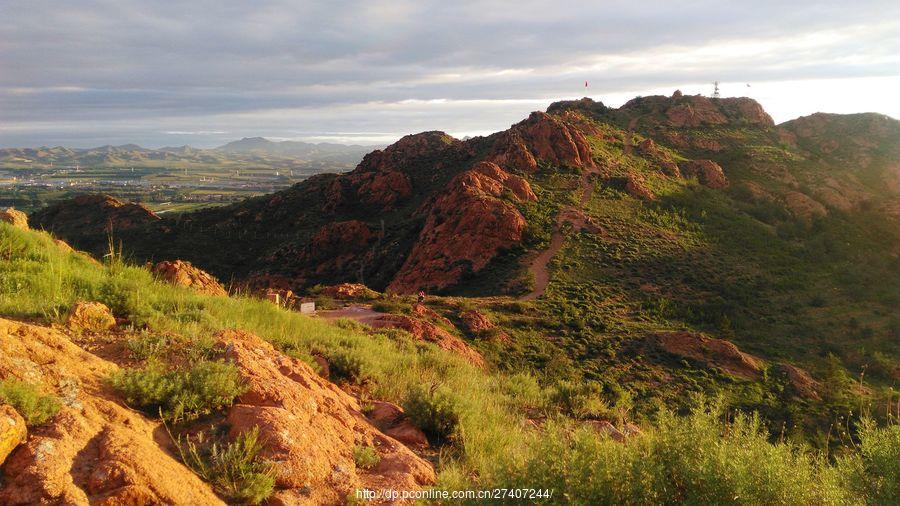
[715, 89]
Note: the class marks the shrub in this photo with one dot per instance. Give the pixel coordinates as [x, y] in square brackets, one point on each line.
[434, 410]
[874, 471]
[182, 394]
[234, 469]
[365, 457]
[35, 407]
[344, 365]
[578, 399]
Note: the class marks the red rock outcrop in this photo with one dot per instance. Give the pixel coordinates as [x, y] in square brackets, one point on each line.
[390, 419]
[467, 226]
[476, 323]
[802, 206]
[707, 172]
[349, 291]
[311, 428]
[14, 217]
[380, 181]
[800, 382]
[543, 137]
[90, 317]
[183, 273]
[426, 331]
[711, 352]
[636, 186]
[87, 215]
[94, 451]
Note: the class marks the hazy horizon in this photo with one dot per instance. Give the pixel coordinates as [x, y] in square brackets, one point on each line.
[97, 72]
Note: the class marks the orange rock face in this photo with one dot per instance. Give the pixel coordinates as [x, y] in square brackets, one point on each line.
[467, 226]
[94, 451]
[426, 331]
[802, 206]
[184, 274]
[311, 428]
[708, 172]
[711, 352]
[800, 381]
[541, 137]
[348, 291]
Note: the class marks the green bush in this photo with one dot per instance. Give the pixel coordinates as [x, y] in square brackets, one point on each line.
[874, 471]
[147, 346]
[578, 399]
[365, 457]
[434, 410]
[35, 407]
[234, 469]
[181, 394]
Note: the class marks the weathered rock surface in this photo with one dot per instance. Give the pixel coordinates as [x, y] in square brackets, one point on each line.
[12, 431]
[14, 217]
[88, 316]
[182, 273]
[466, 227]
[711, 352]
[426, 331]
[707, 172]
[94, 451]
[311, 428]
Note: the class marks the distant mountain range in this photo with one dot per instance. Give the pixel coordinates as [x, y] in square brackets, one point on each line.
[249, 150]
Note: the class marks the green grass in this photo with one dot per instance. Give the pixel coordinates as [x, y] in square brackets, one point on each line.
[365, 457]
[35, 407]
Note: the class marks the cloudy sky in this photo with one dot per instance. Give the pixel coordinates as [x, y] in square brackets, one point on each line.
[203, 72]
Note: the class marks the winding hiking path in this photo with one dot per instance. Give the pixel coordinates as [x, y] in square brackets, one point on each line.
[571, 214]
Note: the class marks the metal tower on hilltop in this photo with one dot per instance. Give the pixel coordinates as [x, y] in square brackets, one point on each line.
[715, 89]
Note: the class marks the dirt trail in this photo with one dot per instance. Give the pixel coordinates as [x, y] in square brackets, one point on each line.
[571, 214]
[362, 314]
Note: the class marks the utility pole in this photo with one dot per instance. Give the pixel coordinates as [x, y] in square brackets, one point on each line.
[715, 89]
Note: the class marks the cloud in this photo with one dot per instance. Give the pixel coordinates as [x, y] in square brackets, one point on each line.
[96, 70]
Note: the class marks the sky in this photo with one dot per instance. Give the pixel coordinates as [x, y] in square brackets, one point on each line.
[83, 73]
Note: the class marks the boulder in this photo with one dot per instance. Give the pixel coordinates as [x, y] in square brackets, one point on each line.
[12, 431]
[711, 352]
[707, 172]
[182, 273]
[90, 317]
[467, 225]
[311, 428]
[94, 451]
[14, 217]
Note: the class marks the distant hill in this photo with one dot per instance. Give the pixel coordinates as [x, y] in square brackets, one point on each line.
[263, 146]
[254, 151]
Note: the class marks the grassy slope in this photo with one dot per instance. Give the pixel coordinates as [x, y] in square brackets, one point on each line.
[491, 445]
